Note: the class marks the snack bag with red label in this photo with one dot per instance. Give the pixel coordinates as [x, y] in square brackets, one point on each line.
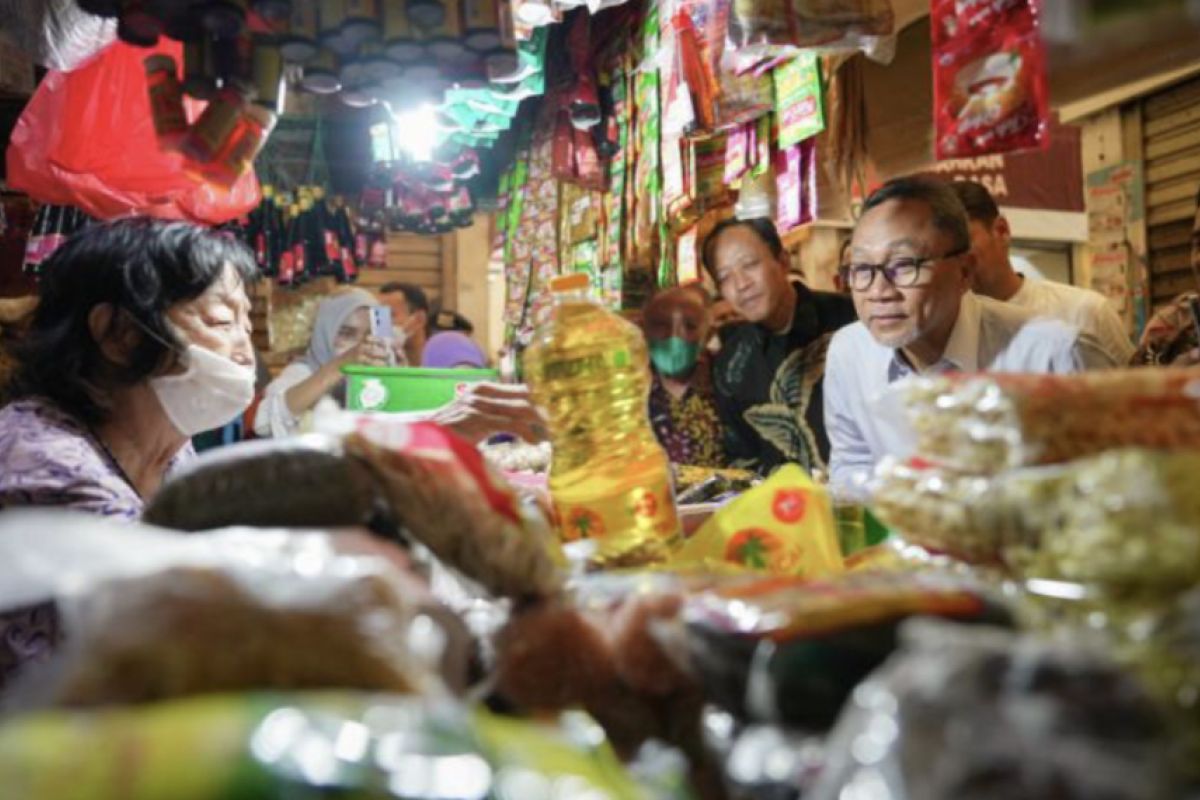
[783, 526]
[989, 73]
[451, 501]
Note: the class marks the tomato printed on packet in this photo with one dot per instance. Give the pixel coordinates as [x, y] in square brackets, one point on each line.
[990, 88]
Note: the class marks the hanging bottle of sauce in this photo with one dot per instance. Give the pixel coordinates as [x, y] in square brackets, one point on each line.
[269, 84]
[212, 130]
[166, 101]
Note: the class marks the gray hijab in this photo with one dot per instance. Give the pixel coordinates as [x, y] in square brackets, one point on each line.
[331, 315]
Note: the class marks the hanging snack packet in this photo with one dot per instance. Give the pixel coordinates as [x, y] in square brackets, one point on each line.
[990, 89]
[798, 102]
[783, 526]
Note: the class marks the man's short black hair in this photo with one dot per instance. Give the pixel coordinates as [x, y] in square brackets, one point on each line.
[139, 267]
[949, 215]
[762, 226]
[977, 200]
[414, 296]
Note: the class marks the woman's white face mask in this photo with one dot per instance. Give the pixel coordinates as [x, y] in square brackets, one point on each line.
[211, 391]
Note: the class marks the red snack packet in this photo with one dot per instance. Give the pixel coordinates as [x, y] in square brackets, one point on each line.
[989, 71]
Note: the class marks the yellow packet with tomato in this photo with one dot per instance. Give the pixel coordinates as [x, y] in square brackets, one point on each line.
[784, 526]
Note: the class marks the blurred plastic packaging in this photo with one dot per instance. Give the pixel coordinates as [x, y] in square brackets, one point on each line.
[979, 713]
[791, 651]
[987, 423]
[1123, 520]
[307, 746]
[148, 614]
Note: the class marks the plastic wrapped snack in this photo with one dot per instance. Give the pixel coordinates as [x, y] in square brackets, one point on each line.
[987, 423]
[784, 650]
[976, 518]
[370, 747]
[147, 614]
[980, 713]
[1122, 520]
[447, 497]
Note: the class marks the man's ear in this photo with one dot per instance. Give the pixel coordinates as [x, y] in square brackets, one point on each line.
[113, 333]
[1001, 229]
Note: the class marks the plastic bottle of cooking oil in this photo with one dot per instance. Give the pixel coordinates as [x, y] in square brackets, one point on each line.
[609, 477]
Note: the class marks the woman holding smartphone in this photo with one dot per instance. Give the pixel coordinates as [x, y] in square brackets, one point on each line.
[342, 335]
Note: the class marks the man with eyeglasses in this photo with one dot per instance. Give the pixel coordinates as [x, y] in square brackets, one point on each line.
[996, 278]
[767, 376]
[909, 271]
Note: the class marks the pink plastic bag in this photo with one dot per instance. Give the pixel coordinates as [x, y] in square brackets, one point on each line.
[87, 139]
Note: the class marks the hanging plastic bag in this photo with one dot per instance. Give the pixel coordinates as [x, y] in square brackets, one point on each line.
[87, 139]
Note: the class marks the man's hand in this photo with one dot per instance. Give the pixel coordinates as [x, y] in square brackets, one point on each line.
[485, 409]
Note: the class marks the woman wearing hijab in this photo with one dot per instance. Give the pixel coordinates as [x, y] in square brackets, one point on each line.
[452, 349]
[340, 336]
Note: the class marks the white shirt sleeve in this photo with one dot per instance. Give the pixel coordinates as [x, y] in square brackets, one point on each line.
[274, 419]
[1105, 324]
[851, 462]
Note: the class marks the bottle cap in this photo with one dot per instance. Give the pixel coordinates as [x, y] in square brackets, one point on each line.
[570, 283]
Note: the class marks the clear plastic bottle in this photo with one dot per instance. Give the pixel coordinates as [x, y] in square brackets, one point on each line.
[609, 477]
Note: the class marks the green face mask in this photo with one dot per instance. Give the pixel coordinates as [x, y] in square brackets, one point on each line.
[674, 356]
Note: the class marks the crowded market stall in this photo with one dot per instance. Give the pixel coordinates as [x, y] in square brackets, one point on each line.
[633, 398]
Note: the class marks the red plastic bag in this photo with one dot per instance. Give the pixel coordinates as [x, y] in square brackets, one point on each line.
[87, 139]
[989, 73]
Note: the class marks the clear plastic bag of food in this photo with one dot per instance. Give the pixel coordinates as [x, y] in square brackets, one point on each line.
[1123, 521]
[988, 423]
[961, 712]
[761, 31]
[371, 747]
[147, 614]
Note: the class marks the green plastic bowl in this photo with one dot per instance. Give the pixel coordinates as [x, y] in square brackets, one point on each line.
[407, 388]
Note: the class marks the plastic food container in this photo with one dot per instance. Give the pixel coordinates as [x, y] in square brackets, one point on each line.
[407, 388]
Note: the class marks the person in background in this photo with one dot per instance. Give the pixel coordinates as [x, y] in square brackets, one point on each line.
[995, 277]
[140, 340]
[410, 318]
[341, 336]
[683, 409]
[767, 377]
[1170, 336]
[909, 272]
[452, 349]
[447, 319]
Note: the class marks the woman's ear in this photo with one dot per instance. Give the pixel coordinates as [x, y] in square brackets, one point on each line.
[112, 333]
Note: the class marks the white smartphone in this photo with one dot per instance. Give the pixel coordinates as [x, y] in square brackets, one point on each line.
[381, 322]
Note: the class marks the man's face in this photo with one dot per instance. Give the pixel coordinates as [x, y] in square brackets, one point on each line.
[403, 317]
[989, 245]
[748, 274]
[900, 316]
[676, 312]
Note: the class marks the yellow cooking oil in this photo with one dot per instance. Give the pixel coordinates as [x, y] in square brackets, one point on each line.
[589, 369]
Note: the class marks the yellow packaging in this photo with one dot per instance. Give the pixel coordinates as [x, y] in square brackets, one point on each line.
[784, 526]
